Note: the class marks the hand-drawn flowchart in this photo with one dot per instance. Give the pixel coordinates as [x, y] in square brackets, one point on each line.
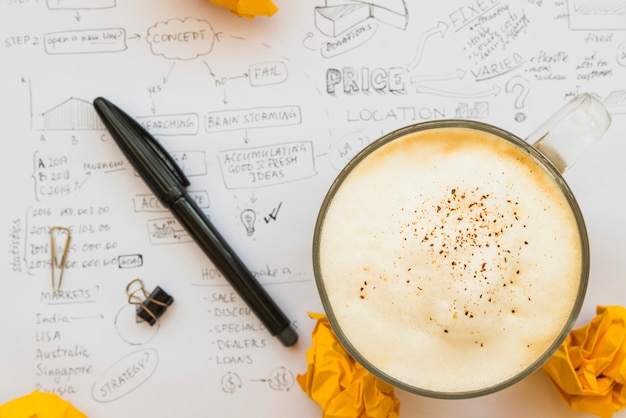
[261, 118]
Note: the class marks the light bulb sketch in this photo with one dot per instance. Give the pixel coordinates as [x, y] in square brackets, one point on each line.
[248, 217]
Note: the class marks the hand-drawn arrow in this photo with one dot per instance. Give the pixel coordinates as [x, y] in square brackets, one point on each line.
[222, 80]
[88, 317]
[209, 68]
[494, 91]
[244, 75]
[458, 74]
[169, 73]
[441, 29]
[82, 183]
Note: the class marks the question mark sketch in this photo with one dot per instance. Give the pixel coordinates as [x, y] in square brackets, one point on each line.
[621, 54]
[308, 39]
[523, 85]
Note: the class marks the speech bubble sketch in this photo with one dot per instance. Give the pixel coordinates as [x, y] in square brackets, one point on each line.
[184, 39]
[268, 73]
[352, 39]
[594, 14]
[88, 41]
[126, 375]
[79, 4]
[249, 118]
[344, 149]
[267, 166]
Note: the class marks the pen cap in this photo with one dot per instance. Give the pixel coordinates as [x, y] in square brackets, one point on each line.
[151, 161]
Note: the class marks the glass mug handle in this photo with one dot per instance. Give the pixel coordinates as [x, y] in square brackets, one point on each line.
[571, 131]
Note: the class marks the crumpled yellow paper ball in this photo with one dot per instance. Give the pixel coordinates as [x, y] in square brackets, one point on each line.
[248, 8]
[39, 405]
[340, 385]
[589, 369]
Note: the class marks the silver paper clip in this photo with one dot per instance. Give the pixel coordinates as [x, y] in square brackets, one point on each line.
[57, 264]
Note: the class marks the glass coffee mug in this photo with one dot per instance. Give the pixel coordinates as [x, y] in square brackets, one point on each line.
[451, 257]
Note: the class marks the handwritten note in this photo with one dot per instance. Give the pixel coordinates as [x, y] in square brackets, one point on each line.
[261, 116]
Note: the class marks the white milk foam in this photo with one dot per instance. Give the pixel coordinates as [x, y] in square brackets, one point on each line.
[450, 264]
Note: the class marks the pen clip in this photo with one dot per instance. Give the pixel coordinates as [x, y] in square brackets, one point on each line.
[158, 149]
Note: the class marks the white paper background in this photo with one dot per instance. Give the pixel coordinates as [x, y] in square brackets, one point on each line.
[509, 63]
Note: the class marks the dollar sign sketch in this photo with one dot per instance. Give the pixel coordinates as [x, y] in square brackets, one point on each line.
[281, 379]
[231, 382]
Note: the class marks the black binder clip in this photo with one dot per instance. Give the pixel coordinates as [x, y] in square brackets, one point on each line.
[152, 306]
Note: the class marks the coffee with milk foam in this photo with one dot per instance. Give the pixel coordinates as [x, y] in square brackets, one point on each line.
[451, 259]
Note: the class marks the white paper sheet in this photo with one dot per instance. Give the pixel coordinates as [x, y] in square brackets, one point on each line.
[261, 114]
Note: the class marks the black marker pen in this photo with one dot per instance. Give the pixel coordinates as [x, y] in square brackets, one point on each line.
[169, 184]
